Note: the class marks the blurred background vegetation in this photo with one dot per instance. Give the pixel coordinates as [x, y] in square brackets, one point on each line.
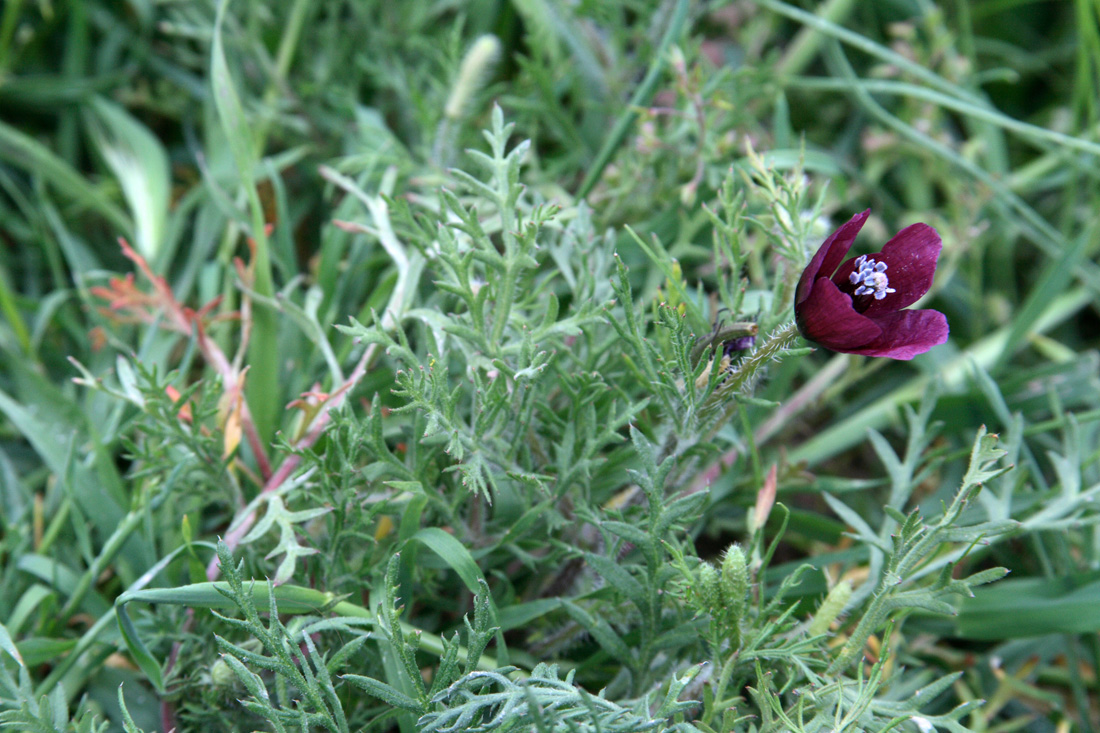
[265, 157]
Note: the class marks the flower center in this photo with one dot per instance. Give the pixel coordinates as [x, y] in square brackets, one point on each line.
[871, 278]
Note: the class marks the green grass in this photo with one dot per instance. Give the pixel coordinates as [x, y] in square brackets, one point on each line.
[409, 417]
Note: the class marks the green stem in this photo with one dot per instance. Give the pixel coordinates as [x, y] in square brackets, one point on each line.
[807, 43]
[11, 312]
[748, 370]
[964, 107]
[288, 44]
[75, 655]
[262, 390]
[110, 549]
[506, 294]
[504, 305]
[291, 599]
[60, 519]
[723, 682]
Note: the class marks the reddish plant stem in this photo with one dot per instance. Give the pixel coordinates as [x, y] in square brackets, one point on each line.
[242, 524]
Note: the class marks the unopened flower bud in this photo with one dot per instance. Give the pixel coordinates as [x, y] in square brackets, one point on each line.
[832, 606]
[222, 675]
[708, 588]
[476, 67]
[735, 582]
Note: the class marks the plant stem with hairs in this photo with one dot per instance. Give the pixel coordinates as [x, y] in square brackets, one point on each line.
[743, 376]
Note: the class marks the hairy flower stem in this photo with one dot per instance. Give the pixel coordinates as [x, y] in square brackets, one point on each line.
[748, 370]
[503, 304]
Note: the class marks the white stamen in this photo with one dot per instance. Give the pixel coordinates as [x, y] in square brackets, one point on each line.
[871, 278]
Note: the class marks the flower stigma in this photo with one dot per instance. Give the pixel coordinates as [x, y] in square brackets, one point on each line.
[871, 278]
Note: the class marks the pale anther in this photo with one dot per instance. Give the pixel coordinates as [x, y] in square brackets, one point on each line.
[871, 278]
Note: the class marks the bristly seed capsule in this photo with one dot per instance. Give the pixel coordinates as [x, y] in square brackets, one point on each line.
[871, 278]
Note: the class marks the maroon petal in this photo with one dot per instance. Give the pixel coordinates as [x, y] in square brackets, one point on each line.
[830, 254]
[910, 259]
[906, 334]
[827, 317]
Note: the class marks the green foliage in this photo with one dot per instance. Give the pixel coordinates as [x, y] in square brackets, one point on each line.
[451, 382]
[544, 701]
[46, 714]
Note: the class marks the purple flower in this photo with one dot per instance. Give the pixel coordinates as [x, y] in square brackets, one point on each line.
[731, 347]
[856, 307]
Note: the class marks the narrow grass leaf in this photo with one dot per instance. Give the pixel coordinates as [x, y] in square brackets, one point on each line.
[230, 112]
[63, 579]
[138, 651]
[452, 552]
[8, 645]
[291, 598]
[140, 163]
[1054, 280]
[1042, 135]
[1028, 607]
[27, 153]
[262, 389]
